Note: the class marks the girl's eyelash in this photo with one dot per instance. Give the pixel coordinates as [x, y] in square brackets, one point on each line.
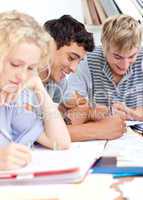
[14, 65]
[30, 68]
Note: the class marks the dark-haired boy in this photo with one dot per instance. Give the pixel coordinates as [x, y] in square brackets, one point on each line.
[72, 41]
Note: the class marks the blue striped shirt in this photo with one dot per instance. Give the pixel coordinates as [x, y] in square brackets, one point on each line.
[93, 79]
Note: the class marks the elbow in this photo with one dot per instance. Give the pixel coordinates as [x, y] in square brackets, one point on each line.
[65, 144]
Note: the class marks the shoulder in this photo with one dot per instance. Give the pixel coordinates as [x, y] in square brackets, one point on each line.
[140, 54]
[95, 57]
[139, 58]
[98, 51]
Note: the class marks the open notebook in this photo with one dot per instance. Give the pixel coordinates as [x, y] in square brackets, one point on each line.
[62, 166]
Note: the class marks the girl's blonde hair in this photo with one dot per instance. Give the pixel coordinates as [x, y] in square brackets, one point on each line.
[123, 32]
[16, 27]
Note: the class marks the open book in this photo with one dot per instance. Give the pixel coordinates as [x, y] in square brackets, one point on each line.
[62, 166]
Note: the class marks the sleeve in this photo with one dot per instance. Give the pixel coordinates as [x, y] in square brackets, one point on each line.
[26, 124]
[79, 81]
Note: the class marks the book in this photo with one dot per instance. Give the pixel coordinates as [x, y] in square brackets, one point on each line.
[59, 166]
[94, 12]
[139, 5]
[86, 13]
[100, 10]
[109, 7]
[130, 9]
[127, 149]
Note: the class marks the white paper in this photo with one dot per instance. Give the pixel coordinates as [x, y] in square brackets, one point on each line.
[128, 149]
[132, 190]
[80, 156]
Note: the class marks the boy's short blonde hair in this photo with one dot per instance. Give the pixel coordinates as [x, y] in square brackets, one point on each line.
[123, 32]
[16, 27]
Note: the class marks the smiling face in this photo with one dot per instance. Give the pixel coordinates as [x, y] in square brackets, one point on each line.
[66, 60]
[119, 62]
[18, 65]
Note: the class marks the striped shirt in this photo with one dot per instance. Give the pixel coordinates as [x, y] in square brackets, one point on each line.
[93, 79]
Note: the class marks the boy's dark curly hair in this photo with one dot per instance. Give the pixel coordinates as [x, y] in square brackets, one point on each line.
[66, 29]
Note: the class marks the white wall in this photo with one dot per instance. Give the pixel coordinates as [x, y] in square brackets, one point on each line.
[44, 10]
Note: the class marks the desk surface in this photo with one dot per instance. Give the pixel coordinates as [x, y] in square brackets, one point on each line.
[95, 186]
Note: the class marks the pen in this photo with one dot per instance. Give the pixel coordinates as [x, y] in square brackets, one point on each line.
[110, 104]
[55, 146]
[5, 135]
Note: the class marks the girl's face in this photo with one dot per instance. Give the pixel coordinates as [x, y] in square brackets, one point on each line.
[19, 65]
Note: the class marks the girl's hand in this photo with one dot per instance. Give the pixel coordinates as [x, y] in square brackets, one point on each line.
[14, 156]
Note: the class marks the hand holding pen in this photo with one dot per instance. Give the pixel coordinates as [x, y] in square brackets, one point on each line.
[13, 155]
[127, 113]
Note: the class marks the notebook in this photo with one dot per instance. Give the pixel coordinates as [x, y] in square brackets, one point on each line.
[62, 166]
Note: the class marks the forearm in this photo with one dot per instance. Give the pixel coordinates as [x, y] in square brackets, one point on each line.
[84, 113]
[104, 129]
[55, 128]
[50, 142]
[84, 132]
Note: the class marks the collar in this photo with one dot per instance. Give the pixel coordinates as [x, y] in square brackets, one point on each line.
[108, 73]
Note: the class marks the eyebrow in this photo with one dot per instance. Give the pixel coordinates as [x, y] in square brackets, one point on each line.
[115, 54]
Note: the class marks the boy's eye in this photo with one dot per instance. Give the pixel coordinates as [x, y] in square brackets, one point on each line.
[70, 58]
[117, 57]
[132, 57]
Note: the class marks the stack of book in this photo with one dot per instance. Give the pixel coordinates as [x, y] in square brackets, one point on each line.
[96, 11]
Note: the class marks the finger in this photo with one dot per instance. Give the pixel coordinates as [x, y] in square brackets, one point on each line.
[3, 96]
[70, 103]
[125, 129]
[119, 106]
[120, 113]
[81, 101]
[9, 98]
[14, 160]
[1, 102]
[21, 148]
[17, 160]
[22, 157]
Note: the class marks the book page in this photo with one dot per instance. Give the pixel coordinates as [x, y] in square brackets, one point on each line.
[128, 149]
